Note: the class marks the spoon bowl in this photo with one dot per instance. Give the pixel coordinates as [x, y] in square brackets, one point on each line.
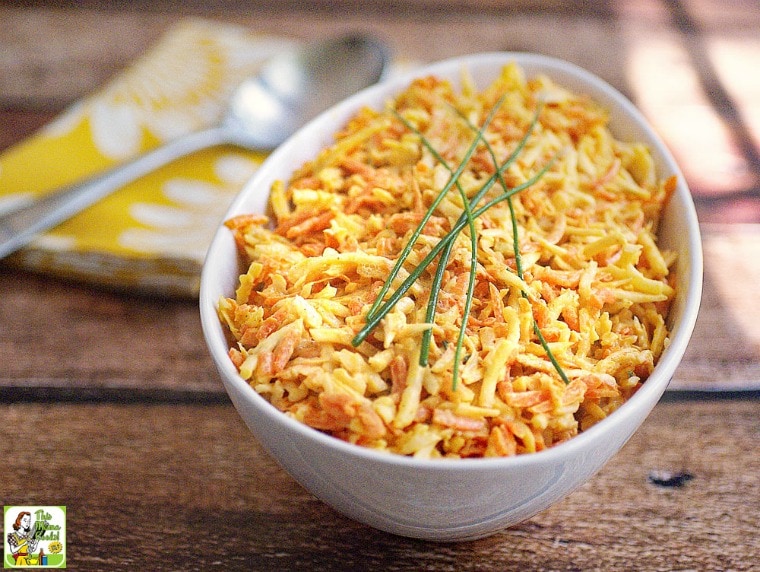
[264, 110]
[294, 87]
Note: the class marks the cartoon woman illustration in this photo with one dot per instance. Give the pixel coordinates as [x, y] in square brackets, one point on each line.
[20, 540]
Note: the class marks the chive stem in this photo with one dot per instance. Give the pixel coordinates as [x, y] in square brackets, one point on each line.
[434, 205]
[445, 245]
[435, 289]
[443, 262]
[373, 322]
[518, 262]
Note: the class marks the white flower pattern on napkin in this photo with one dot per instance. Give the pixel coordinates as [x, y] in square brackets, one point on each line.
[152, 234]
[196, 211]
[182, 87]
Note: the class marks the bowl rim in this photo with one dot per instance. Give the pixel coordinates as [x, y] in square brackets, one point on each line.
[639, 404]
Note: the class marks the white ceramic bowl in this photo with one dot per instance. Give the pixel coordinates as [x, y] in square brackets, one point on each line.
[449, 500]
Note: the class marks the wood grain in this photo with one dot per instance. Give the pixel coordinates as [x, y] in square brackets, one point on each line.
[703, 73]
[110, 405]
[187, 487]
[108, 340]
[63, 336]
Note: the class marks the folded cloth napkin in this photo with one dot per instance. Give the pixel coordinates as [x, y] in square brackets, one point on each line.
[151, 235]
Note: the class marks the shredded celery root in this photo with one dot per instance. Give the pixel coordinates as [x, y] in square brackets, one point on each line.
[360, 315]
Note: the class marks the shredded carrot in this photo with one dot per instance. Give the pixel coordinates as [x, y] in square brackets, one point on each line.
[593, 279]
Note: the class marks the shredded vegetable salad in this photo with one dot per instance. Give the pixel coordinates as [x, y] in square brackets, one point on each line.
[463, 273]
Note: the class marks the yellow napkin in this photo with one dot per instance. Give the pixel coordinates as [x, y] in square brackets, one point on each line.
[151, 235]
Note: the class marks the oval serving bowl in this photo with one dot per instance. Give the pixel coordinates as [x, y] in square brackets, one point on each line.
[447, 500]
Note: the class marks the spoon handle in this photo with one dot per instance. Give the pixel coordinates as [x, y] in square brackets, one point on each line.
[19, 227]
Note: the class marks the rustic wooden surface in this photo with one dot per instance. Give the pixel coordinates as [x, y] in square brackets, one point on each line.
[121, 417]
[185, 487]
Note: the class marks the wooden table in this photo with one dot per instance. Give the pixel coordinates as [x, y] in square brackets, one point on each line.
[110, 405]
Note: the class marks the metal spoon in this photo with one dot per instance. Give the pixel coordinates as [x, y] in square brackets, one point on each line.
[263, 111]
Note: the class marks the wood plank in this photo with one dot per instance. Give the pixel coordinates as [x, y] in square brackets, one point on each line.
[42, 66]
[51, 70]
[66, 337]
[60, 335]
[692, 43]
[187, 487]
[16, 124]
[724, 352]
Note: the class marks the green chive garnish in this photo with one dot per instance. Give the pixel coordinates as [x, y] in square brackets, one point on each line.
[380, 307]
[518, 255]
